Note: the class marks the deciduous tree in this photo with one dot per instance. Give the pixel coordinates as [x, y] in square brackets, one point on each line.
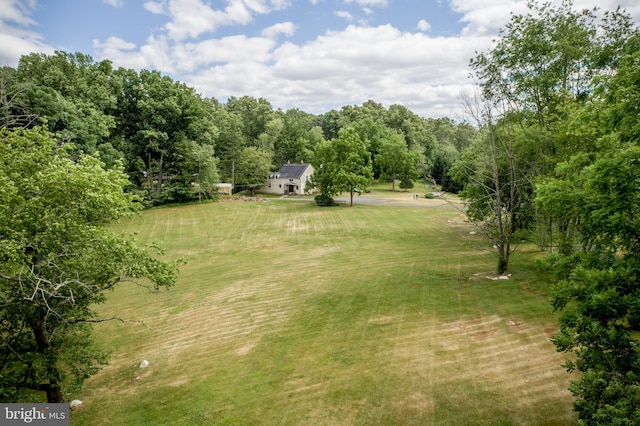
[396, 161]
[596, 195]
[496, 189]
[343, 165]
[253, 168]
[599, 294]
[57, 260]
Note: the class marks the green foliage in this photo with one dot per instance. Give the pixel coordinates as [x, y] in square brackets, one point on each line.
[323, 200]
[296, 140]
[406, 182]
[72, 95]
[396, 161]
[199, 161]
[342, 165]
[497, 192]
[444, 158]
[164, 120]
[267, 139]
[599, 294]
[255, 114]
[229, 143]
[253, 165]
[539, 56]
[165, 133]
[57, 261]
[541, 87]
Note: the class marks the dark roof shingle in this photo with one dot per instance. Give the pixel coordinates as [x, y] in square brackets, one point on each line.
[292, 170]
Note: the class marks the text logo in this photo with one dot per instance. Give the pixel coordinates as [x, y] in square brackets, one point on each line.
[34, 414]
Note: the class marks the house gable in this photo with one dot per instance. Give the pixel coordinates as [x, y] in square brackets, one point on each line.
[291, 179]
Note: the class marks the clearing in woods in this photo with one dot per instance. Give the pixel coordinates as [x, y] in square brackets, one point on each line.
[291, 314]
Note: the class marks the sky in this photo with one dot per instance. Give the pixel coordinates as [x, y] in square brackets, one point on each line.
[314, 55]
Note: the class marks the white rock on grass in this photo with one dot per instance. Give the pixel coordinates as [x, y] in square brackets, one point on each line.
[75, 403]
[144, 364]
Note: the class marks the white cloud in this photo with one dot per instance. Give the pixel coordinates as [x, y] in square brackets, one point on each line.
[17, 12]
[154, 54]
[113, 44]
[162, 54]
[14, 43]
[238, 50]
[279, 4]
[488, 16]
[423, 72]
[121, 52]
[16, 39]
[286, 28]
[114, 3]
[426, 74]
[344, 15]
[424, 26]
[192, 18]
[368, 2]
[155, 7]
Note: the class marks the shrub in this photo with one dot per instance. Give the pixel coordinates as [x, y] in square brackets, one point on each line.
[324, 200]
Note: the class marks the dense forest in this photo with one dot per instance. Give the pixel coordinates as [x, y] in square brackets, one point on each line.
[552, 156]
[176, 145]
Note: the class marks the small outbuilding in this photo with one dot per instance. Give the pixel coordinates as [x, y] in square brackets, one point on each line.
[291, 179]
[224, 188]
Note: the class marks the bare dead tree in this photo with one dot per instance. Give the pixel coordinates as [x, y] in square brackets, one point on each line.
[492, 192]
[14, 113]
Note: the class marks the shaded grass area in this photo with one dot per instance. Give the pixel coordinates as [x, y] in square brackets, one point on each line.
[291, 314]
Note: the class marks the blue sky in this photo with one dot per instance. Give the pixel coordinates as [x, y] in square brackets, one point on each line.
[314, 55]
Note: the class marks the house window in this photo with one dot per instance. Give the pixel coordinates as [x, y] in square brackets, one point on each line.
[291, 180]
[296, 186]
[279, 185]
[269, 184]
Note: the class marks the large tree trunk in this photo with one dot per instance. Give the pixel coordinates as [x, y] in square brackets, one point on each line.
[160, 172]
[149, 174]
[393, 180]
[54, 393]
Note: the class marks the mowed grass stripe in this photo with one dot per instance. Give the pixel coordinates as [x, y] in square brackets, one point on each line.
[290, 314]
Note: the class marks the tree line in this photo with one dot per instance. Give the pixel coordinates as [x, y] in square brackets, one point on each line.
[175, 145]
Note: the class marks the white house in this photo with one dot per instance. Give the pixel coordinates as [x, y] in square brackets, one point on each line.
[291, 179]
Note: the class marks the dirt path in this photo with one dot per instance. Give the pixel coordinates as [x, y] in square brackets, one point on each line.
[403, 199]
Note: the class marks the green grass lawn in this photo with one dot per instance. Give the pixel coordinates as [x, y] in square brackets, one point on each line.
[291, 314]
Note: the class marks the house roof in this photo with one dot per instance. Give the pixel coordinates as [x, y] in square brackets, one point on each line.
[292, 170]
